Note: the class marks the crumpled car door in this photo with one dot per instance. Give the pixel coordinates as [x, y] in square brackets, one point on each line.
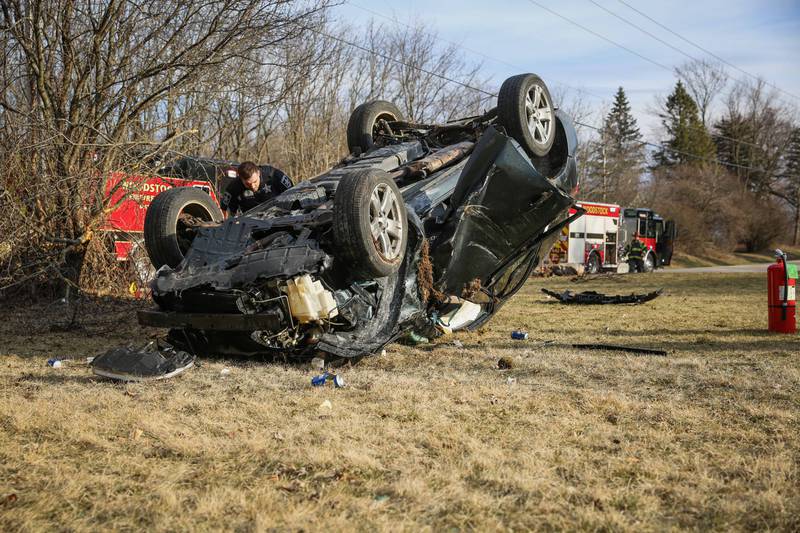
[500, 203]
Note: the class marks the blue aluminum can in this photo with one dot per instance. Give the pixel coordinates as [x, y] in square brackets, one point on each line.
[319, 381]
[519, 335]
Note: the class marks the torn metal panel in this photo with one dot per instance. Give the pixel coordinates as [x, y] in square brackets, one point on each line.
[615, 348]
[147, 363]
[597, 298]
[236, 271]
[269, 320]
[503, 202]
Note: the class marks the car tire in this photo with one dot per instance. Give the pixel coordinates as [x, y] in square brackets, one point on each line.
[593, 264]
[361, 127]
[649, 263]
[525, 109]
[370, 225]
[162, 226]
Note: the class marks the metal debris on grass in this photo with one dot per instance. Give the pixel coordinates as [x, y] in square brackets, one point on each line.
[598, 298]
[615, 348]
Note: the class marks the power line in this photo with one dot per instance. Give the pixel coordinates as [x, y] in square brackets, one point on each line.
[486, 56]
[581, 26]
[601, 36]
[395, 20]
[709, 52]
[494, 95]
[399, 62]
[673, 150]
[629, 23]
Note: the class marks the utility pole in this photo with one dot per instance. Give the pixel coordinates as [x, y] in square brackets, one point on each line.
[603, 148]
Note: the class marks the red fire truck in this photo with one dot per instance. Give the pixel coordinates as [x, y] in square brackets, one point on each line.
[130, 195]
[597, 240]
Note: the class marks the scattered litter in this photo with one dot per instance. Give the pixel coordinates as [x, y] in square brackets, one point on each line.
[381, 497]
[458, 344]
[58, 363]
[511, 381]
[11, 498]
[598, 298]
[383, 353]
[326, 405]
[519, 335]
[414, 339]
[322, 379]
[465, 314]
[505, 363]
[614, 348]
[225, 372]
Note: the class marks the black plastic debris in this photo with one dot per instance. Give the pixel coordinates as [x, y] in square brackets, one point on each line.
[151, 362]
[615, 348]
[598, 298]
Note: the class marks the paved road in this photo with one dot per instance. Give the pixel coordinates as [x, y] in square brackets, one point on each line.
[754, 267]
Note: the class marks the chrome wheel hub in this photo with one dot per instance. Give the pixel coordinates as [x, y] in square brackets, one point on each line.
[539, 114]
[385, 222]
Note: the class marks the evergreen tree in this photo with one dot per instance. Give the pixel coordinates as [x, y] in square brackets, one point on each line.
[688, 141]
[617, 159]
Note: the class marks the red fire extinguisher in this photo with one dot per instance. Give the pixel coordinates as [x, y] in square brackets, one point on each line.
[781, 298]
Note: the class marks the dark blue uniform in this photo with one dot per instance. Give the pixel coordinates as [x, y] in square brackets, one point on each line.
[238, 198]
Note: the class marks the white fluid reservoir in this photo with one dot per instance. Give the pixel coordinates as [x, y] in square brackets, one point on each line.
[309, 301]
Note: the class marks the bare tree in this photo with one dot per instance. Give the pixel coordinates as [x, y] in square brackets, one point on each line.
[83, 81]
[753, 135]
[705, 80]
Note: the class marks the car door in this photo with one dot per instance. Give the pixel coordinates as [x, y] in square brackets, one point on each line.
[500, 205]
[666, 243]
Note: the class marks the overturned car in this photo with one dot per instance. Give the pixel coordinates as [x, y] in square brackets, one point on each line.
[421, 228]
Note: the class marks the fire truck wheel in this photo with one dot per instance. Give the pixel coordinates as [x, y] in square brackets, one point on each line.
[363, 123]
[525, 109]
[593, 264]
[649, 262]
[167, 237]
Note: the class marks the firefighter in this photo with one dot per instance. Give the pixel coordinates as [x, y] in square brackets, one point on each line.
[635, 253]
[254, 186]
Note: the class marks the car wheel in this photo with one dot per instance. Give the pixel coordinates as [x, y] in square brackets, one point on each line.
[370, 226]
[593, 264]
[649, 262]
[363, 124]
[525, 109]
[166, 238]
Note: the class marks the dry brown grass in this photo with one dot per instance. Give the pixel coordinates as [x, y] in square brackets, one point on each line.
[430, 438]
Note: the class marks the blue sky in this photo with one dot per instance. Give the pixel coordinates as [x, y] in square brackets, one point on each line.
[761, 37]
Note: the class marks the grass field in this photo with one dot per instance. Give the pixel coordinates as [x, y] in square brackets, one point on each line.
[683, 259]
[425, 438]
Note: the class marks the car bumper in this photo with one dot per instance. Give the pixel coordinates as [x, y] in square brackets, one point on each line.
[210, 321]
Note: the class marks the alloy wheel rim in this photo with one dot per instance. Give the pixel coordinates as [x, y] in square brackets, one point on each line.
[385, 222]
[539, 114]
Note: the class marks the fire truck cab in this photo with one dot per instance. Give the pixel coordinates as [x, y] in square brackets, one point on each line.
[655, 233]
[597, 240]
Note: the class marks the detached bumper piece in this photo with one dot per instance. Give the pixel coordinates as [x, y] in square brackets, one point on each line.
[145, 364]
[210, 321]
[598, 298]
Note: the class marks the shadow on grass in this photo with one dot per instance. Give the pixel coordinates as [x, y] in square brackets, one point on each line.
[57, 378]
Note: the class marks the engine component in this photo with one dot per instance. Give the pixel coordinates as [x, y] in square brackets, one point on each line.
[309, 301]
